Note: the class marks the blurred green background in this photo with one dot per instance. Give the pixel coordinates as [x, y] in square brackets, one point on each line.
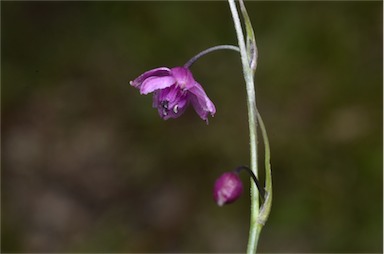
[89, 166]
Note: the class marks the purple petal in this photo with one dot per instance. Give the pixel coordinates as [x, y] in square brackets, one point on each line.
[183, 77]
[157, 72]
[201, 103]
[156, 83]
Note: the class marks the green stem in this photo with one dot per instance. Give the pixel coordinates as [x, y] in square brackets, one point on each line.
[255, 227]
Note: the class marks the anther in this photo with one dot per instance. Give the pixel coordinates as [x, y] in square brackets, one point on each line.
[176, 109]
[164, 104]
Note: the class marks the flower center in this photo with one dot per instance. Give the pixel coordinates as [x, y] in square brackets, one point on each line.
[165, 108]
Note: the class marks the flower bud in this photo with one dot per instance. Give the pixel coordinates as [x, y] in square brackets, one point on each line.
[228, 188]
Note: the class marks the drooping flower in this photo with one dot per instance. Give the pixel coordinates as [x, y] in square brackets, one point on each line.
[227, 189]
[173, 90]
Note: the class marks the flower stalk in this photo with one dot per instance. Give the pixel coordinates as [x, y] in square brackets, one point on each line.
[254, 178]
[249, 54]
[209, 50]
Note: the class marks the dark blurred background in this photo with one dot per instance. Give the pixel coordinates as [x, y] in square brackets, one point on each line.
[89, 166]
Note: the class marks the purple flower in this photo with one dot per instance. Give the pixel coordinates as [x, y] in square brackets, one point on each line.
[173, 90]
[227, 189]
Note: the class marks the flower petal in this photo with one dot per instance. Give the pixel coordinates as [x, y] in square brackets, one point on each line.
[201, 103]
[155, 83]
[157, 72]
[183, 76]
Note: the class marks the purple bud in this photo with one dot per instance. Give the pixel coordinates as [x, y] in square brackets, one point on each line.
[227, 189]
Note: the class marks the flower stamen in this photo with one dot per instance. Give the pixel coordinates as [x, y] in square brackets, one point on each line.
[176, 109]
[164, 105]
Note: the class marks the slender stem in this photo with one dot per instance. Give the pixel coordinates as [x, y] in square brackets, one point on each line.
[255, 180]
[209, 50]
[254, 230]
